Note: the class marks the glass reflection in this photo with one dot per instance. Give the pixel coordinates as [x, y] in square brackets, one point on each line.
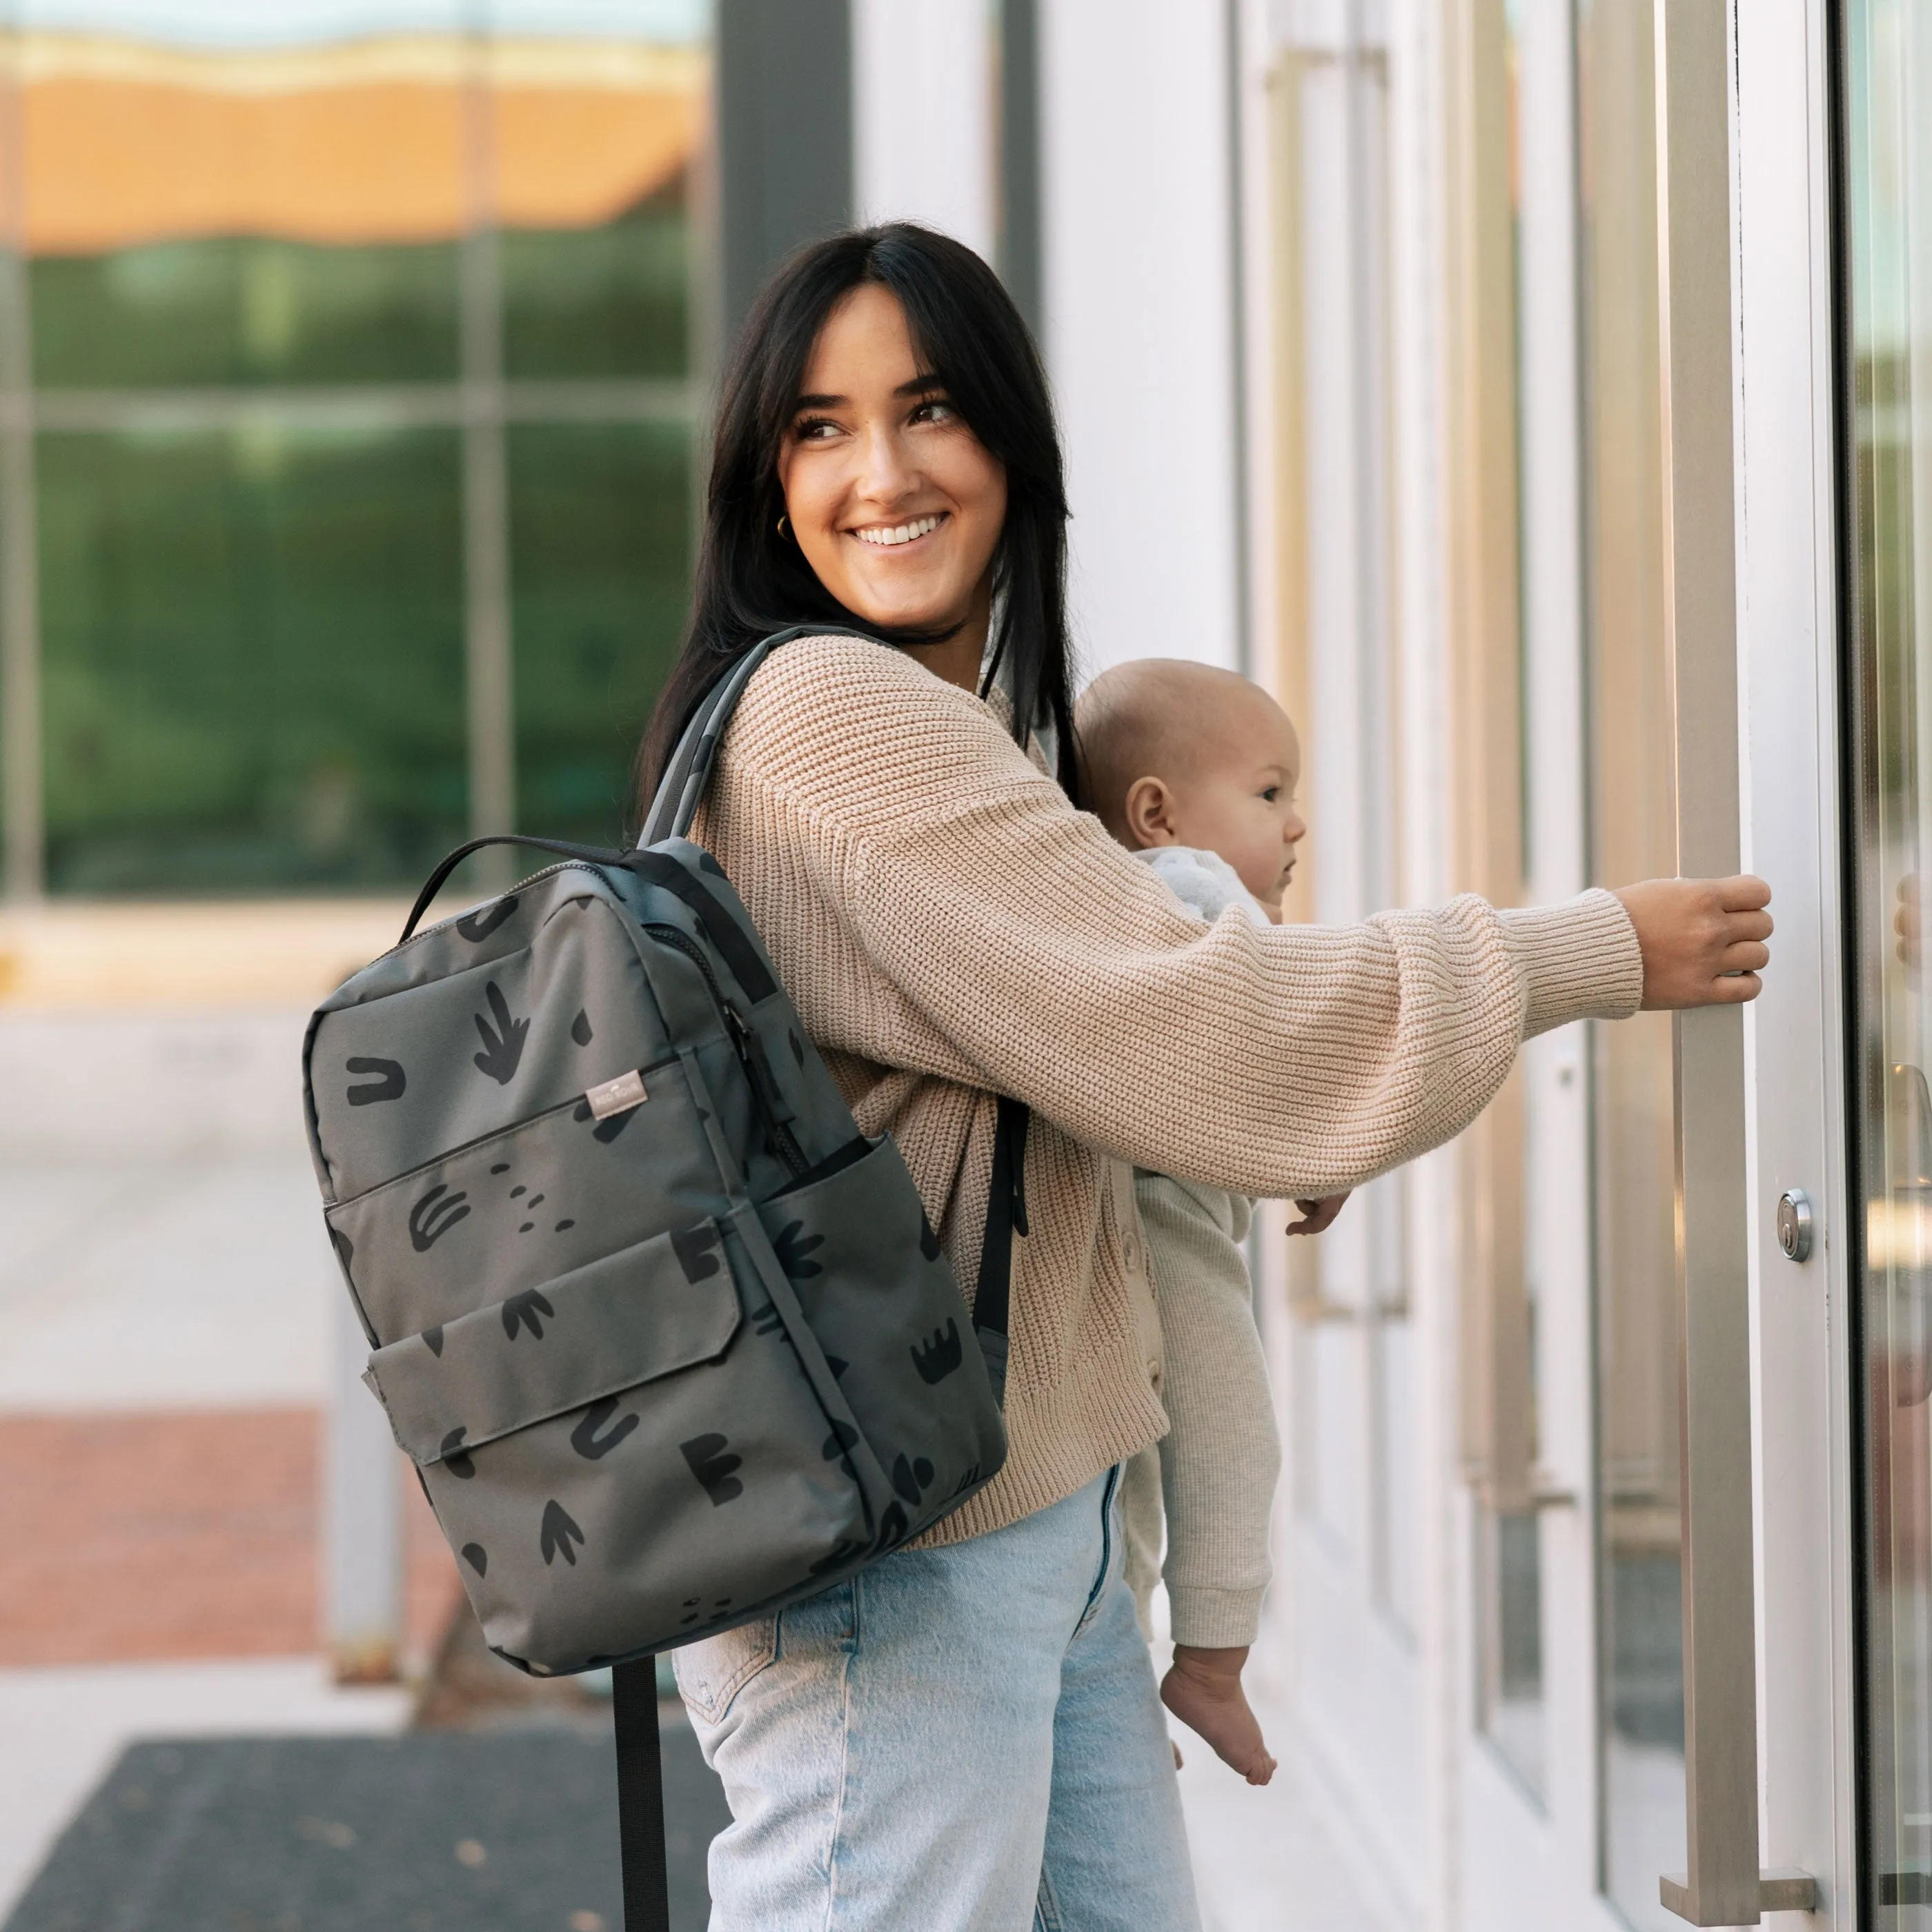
[254, 659]
[599, 559]
[1888, 70]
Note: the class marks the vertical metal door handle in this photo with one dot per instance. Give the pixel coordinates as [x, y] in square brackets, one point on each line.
[1724, 1885]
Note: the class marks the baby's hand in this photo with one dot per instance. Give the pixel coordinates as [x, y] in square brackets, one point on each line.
[1316, 1215]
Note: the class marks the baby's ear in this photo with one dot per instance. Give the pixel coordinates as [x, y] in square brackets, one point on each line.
[1149, 813]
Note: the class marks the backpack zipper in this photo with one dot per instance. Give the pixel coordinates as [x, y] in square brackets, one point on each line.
[748, 1045]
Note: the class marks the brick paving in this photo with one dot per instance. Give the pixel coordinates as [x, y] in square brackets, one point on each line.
[128, 1537]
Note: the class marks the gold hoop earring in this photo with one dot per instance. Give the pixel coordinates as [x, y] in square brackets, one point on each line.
[782, 531]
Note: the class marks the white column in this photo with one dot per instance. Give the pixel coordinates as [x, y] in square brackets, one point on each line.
[1136, 185]
[924, 113]
[362, 1538]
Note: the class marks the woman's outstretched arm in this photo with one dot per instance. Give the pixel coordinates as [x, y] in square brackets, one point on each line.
[938, 905]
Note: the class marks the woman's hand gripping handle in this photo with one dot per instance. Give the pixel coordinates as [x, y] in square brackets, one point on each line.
[1702, 940]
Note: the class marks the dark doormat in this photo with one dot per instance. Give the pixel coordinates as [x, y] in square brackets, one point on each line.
[498, 1831]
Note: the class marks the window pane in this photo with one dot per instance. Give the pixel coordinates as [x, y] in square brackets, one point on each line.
[1888, 213]
[600, 536]
[287, 213]
[253, 658]
[592, 142]
[244, 309]
[607, 301]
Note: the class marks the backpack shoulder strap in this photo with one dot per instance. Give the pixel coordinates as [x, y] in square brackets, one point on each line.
[688, 769]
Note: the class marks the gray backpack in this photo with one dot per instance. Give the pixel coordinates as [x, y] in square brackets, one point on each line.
[670, 1343]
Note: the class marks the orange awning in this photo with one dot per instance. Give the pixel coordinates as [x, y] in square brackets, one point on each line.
[364, 142]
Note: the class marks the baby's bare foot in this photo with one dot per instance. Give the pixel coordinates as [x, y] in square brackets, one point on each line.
[1204, 1690]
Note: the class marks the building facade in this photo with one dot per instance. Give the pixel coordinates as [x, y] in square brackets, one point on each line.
[1527, 390]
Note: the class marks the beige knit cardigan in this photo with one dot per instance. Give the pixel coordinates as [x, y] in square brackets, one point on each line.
[952, 928]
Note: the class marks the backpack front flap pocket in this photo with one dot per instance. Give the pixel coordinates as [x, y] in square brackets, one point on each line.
[648, 1311]
[628, 1456]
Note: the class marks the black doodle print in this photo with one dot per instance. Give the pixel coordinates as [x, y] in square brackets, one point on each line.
[966, 1481]
[912, 1479]
[797, 1046]
[526, 1309]
[501, 1167]
[580, 1028]
[767, 1321]
[713, 1468]
[937, 1359]
[433, 1216]
[699, 1251]
[389, 1086]
[558, 1530]
[475, 925]
[584, 1437]
[706, 863]
[477, 1557]
[837, 1364]
[606, 1131]
[562, 1225]
[345, 1249]
[455, 1457]
[892, 1528]
[503, 1047]
[842, 1437]
[928, 1242]
[432, 1339]
[791, 1251]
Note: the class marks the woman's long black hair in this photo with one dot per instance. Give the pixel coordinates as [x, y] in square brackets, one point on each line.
[751, 580]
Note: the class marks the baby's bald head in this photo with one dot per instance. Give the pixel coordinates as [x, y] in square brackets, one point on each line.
[1179, 753]
[1162, 718]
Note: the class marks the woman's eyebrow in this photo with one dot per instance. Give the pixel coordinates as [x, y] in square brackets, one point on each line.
[920, 385]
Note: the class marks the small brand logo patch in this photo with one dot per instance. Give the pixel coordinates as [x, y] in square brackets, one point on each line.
[617, 1096]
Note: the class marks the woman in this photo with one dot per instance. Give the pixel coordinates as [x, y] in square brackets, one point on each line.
[966, 1736]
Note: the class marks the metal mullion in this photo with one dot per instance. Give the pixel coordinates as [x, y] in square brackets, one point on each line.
[489, 671]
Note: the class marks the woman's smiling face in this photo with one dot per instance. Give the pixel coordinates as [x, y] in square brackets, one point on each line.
[895, 502]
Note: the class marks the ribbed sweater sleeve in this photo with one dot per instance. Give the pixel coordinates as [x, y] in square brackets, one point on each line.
[1000, 939]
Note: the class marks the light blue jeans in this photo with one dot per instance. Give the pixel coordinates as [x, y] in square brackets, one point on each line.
[964, 1739]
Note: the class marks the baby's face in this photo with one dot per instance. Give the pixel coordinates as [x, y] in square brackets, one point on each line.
[1236, 798]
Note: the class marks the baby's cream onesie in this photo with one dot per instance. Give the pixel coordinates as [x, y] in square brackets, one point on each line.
[1215, 1469]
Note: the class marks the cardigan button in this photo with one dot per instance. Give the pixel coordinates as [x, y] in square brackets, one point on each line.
[1130, 1250]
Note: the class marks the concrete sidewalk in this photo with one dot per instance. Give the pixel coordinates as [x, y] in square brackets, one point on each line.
[167, 1326]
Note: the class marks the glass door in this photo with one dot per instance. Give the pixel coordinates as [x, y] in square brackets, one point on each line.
[1888, 222]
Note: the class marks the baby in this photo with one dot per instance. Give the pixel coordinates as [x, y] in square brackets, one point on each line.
[1194, 770]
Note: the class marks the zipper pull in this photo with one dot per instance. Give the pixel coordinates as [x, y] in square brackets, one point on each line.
[750, 1047]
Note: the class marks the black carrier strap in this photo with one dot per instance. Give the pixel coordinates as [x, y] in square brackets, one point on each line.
[1006, 1217]
[640, 1826]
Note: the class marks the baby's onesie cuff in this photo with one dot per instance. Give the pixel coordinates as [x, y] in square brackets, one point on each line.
[1205, 1619]
[1580, 959]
